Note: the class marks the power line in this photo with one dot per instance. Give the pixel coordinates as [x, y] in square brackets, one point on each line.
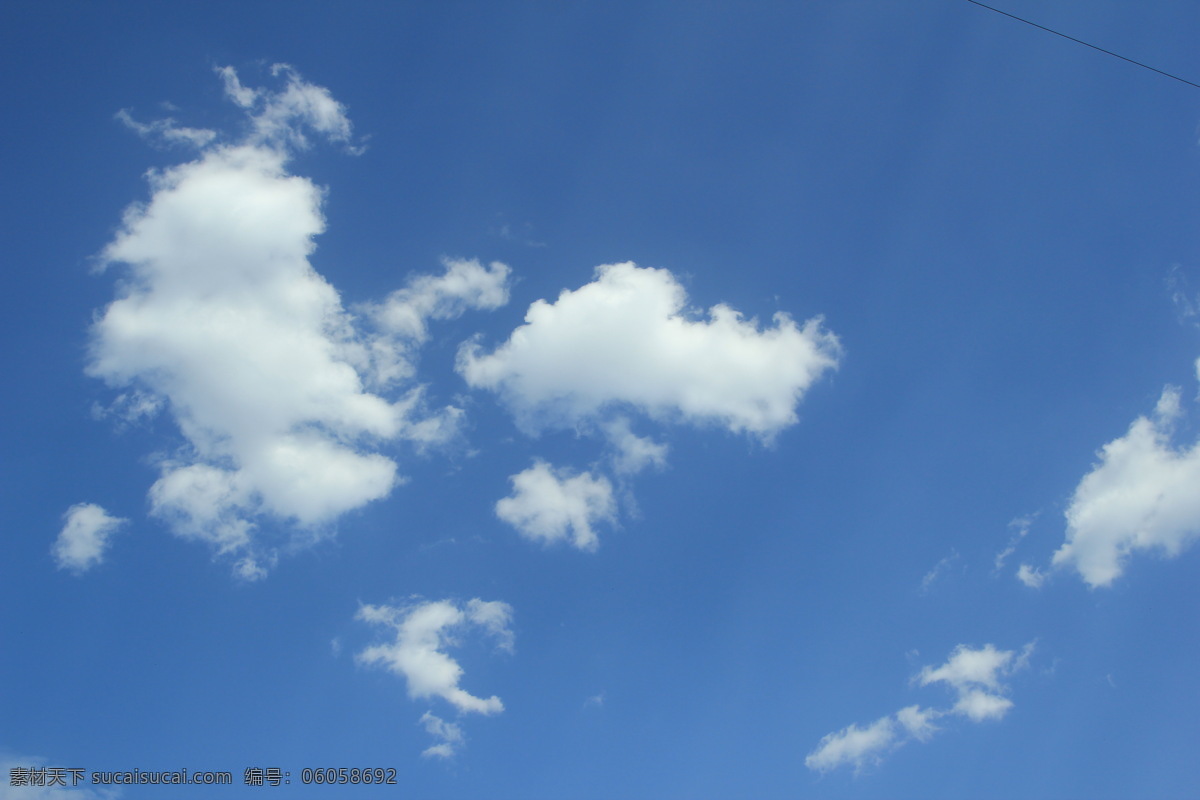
[1085, 44]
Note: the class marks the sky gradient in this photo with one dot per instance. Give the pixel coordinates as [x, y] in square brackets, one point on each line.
[602, 399]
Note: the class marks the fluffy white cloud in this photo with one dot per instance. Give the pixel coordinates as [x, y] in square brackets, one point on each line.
[222, 319]
[550, 505]
[975, 676]
[979, 705]
[969, 667]
[860, 747]
[84, 537]
[853, 745]
[1144, 494]
[628, 340]
[422, 632]
[449, 734]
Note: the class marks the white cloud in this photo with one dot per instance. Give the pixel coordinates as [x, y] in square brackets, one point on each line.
[1031, 576]
[494, 617]
[167, 130]
[450, 735]
[1143, 495]
[222, 320]
[979, 705]
[969, 667]
[422, 632]
[854, 746]
[550, 505]
[917, 721]
[938, 570]
[633, 453]
[1187, 303]
[129, 408]
[403, 316]
[975, 676]
[85, 536]
[279, 118]
[1023, 658]
[1020, 529]
[628, 340]
[240, 95]
[465, 284]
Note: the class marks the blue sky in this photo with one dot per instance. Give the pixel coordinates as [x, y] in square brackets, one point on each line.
[602, 399]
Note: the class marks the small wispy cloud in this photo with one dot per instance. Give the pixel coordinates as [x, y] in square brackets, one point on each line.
[449, 736]
[976, 676]
[939, 569]
[521, 234]
[167, 131]
[1184, 297]
[1031, 576]
[1018, 530]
